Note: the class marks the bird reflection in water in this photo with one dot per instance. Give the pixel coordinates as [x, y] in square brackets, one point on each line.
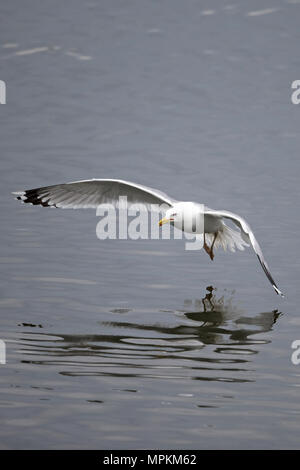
[211, 337]
[222, 318]
[208, 298]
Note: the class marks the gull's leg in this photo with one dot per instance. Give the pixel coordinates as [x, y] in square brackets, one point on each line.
[212, 246]
[209, 250]
[205, 246]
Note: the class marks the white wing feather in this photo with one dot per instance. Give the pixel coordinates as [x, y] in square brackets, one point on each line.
[90, 193]
[248, 237]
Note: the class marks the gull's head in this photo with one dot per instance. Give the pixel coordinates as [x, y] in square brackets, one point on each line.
[182, 215]
[172, 216]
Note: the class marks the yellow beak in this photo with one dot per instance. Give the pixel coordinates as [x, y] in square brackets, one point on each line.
[163, 221]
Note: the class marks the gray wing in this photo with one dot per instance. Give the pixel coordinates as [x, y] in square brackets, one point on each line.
[249, 237]
[90, 193]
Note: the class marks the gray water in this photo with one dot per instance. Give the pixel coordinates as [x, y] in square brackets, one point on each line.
[119, 344]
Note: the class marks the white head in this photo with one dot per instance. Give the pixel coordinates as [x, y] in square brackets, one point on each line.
[186, 216]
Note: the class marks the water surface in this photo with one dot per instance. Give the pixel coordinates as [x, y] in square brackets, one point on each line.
[142, 344]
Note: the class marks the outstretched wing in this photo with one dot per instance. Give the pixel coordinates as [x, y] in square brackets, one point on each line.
[249, 237]
[89, 194]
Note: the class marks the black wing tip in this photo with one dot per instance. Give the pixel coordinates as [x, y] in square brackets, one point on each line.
[278, 292]
[32, 196]
[268, 274]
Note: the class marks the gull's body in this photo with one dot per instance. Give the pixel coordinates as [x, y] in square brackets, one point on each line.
[92, 193]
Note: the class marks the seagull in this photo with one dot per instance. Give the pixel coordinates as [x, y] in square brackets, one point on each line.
[91, 193]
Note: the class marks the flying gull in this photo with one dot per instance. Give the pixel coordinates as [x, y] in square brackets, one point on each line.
[92, 193]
